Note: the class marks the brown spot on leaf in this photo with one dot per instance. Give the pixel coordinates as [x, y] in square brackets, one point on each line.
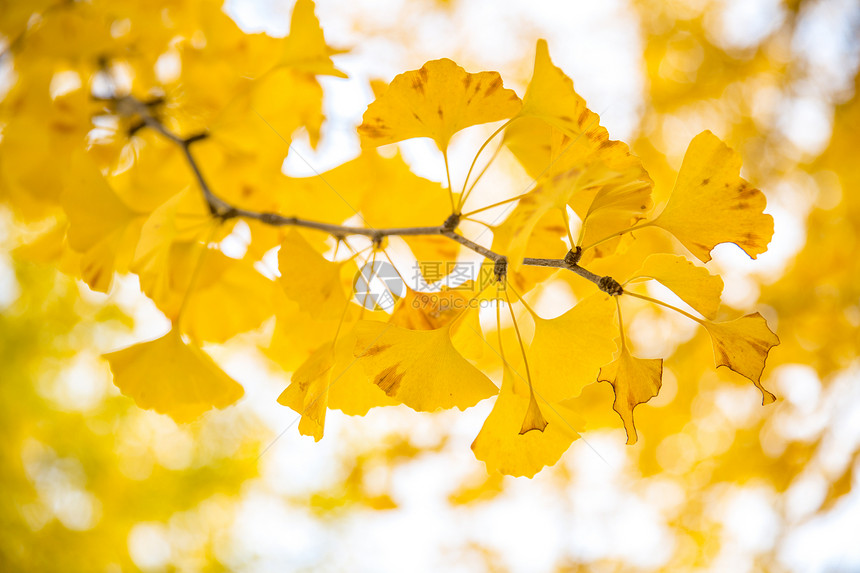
[583, 116]
[607, 144]
[375, 349]
[494, 85]
[706, 180]
[747, 192]
[389, 380]
[419, 80]
[722, 356]
[370, 131]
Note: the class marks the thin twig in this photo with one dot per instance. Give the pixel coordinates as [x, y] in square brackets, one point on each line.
[130, 106]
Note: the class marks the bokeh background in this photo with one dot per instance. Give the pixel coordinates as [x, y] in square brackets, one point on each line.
[716, 483]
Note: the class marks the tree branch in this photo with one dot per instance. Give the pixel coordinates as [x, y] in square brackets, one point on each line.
[131, 106]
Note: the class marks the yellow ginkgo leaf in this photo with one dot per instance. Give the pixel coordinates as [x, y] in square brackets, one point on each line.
[228, 297]
[101, 227]
[432, 310]
[742, 345]
[437, 101]
[420, 368]
[307, 394]
[428, 310]
[351, 390]
[711, 204]
[331, 378]
[503, 444]
[311, 280]
[268, 110]
[305, 48]
[635, 381]
[172, 377]
[618, 205]
[694, 285]
[567, 352]
[550, 96]
[555, 133]
[170, 240]
[605, 184]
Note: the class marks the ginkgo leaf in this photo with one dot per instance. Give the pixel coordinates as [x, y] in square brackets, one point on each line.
[556, 134]
[307, 394]
[351, 390]
[567, 352]
[711, 204]
[437, 101]
[93, 209]
[694, 285]
[432, 310]
[311, 280]
[550, 96]
[743, 345]
[420, 368]
[172, 377]
[331, 378]
[428, 311]
[617, 206]
[170, 240]
[305, 48]
[101, 227]
[505, 447]
[605, 184]
[229, 296]
[635, 381]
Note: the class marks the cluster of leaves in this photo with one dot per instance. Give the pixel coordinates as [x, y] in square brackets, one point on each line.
[140, 145]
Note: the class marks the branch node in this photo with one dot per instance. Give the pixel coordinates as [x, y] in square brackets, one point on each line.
[377, 240]
[137, 126]
[451, 222]
[500, 269]
[610, 286]
[154, 102]
[196, 137]
[223, 213]
[270, 218]
[573, 256]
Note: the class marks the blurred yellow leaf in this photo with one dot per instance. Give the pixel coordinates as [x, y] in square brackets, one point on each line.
[310, 279]
[305, 48]
[172, 377]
